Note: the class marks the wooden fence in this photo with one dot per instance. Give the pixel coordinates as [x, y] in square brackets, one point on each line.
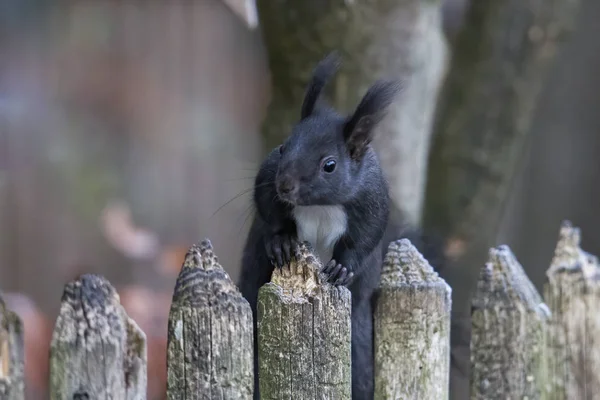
[520, 348]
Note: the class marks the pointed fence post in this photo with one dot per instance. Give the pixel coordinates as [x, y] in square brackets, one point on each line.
[412, 328]
[210, 338]
[573, 294]
[509, 322]
[97, 351]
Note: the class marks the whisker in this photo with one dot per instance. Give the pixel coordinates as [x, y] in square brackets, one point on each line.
[243, 214]
[234, 198]
[239, 195]
[238, 179]
[249, 212]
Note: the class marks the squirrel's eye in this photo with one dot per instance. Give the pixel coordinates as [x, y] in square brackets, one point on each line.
[329, 166]
[281, 149]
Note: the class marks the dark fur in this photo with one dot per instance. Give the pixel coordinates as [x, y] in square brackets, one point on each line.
[357, 184]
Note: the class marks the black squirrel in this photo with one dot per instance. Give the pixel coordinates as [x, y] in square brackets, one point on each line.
[325, 185]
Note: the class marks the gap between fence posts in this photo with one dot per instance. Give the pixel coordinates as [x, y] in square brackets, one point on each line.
[96, 351]
[509, 323]
[210, 337]
[304, 333]
[412, 328]
[12, 355]
[573, 294]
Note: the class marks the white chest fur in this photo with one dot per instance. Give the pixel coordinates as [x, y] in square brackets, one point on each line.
[321, 226]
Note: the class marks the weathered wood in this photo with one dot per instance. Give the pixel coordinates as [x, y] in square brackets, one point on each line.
[509, 322]
[304, 334]
[377, 39]
[499, 63]
[96, 351]
[412, 328]
[12, 355]
[210, 338]
[573, 295]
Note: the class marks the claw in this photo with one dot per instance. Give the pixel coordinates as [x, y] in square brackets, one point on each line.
[328, 267]
[279, 249]
[336, 274]
[269, 251]
[346, 279]
[349, 279]
[341, 277]
[287, 250]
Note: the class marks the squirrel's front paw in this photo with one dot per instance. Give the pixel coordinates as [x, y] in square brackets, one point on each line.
[280, 249]
[336, 274]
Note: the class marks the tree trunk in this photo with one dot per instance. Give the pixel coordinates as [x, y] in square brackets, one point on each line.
[377, 39]
[499, 63]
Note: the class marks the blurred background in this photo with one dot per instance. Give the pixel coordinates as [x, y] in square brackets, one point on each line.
[130, 130]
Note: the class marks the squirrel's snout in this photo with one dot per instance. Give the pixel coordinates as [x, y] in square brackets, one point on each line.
[287, 185]
[287, 188]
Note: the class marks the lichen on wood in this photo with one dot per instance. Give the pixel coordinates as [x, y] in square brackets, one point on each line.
[210, 333]
[304, 333]
[96, 349]
[12, 354]
[509, 322]
[573, 295]
[412, 328]
[482, 129]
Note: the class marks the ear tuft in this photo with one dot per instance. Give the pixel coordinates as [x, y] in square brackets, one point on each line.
[358, 130]
[322, 73]
[374, 103]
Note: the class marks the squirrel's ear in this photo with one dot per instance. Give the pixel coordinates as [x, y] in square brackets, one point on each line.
[358, 130]
[322, 73]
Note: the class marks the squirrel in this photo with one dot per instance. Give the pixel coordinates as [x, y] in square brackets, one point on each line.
[325, 185]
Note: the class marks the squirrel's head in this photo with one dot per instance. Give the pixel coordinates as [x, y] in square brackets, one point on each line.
[327, 155]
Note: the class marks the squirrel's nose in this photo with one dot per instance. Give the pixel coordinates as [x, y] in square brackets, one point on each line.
[286, 185]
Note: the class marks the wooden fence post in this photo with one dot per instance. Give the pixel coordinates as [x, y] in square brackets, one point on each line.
[210, 338]
[573, 294]
[412, 328]
[509, 322]
[12, 355]
[97, 351]
[304, 334]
